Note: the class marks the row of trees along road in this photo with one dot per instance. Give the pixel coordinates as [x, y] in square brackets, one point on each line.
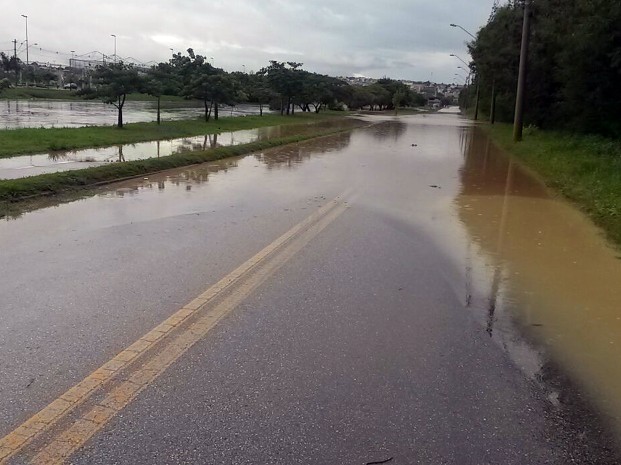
[574, 64]
[281, 85]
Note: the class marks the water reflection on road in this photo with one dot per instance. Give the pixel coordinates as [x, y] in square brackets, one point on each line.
[533, 271]
[32, 165]
[553, 273]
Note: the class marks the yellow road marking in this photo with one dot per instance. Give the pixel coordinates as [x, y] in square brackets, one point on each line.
[66, 442]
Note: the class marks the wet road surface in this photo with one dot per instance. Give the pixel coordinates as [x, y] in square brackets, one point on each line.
[435, 316]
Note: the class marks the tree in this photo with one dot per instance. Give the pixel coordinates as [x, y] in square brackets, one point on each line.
[4, 84]
[114, 82]
[12, 64]
[285, 79]
[319, 91]
[397, 99]
[258, 90]
[379, 96]
[574, 64]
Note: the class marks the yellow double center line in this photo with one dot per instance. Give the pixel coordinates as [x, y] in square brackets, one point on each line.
[61, 428]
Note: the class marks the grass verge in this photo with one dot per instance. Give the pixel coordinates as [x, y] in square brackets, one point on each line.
[15, 190]
[584, 168]
[43, 93]
[39, 140]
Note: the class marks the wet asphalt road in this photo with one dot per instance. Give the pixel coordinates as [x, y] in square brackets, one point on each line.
[361, 348]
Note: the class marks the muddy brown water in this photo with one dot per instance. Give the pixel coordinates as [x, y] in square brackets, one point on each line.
[536, 273]
[553, 272]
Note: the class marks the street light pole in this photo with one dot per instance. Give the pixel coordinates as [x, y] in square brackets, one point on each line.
[518, 121]
[478, 91]
[453, 55]
[114, 35]
[27, 60]
[457, 25]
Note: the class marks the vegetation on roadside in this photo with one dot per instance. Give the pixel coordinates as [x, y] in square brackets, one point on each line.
[584, 168]
[40, 140]
[54, 183]
[574, 64]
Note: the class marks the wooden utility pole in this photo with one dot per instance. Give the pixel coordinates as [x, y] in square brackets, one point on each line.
[518, 121]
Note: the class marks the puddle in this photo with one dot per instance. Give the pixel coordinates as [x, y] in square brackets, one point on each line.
[31, 165]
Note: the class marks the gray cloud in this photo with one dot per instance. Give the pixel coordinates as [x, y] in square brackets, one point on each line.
[408, 39]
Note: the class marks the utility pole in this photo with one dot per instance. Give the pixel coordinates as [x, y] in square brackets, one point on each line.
[15, 59]
[518, 121]
[478, 97]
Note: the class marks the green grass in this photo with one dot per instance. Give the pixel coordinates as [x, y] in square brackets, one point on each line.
[16, 190]
[39, 140]
[584, 168]
[38, 93]
[16, 93]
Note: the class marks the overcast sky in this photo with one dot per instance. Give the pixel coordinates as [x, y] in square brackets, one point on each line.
[402, 39]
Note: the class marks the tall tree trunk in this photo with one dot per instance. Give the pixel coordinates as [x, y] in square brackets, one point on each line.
[260, 109]
[282, 106]
[288, 106]
[206, 110]
[158, 109]
[120, 107]
[215, 112]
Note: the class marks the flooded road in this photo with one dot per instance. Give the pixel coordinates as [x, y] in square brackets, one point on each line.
[31, 165]
[72, 114]
[455, 312]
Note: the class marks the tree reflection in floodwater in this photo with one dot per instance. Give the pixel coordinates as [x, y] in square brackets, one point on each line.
[288, 156]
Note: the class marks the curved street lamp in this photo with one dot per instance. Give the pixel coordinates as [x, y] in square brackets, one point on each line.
[457, 25]
[463, 61]
[476, 106]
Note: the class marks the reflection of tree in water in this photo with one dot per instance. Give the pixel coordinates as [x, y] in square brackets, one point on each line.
[291, 155]
[201, 173]
[210, 141]
[387, 130]
[489, 172]
[58, 155]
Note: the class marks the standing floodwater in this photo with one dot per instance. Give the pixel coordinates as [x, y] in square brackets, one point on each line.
[454, 311]
[76, 113]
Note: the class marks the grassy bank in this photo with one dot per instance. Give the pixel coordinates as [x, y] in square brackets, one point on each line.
[585, 169]
[40, 140]
[55, 183]
[29, 93]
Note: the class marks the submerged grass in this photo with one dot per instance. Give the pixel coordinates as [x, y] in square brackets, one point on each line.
[39, 140]
[584, 168]
[15, 190]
